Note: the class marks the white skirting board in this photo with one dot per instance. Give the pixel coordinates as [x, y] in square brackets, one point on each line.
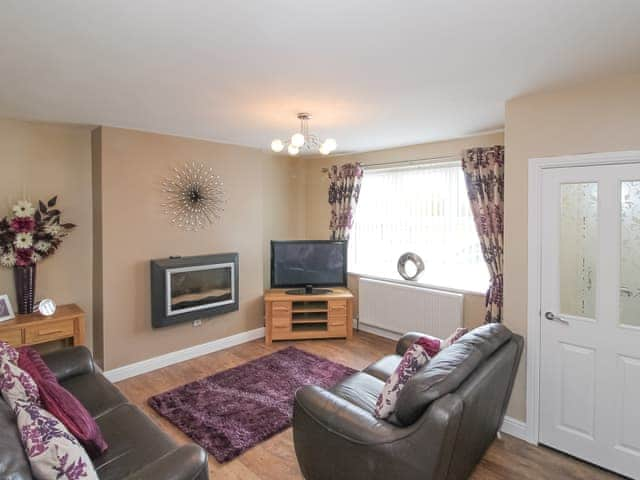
[515, 428]
[381, 332]
[144, 366]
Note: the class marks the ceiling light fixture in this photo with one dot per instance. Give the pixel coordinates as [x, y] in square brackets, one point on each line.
[303, 141]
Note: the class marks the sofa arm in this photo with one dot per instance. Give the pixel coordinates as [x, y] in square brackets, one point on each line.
[406, 341]
[70, 362]
[188, 462]
[343, 418]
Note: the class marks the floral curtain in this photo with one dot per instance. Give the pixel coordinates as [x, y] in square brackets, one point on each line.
[344, 191]
[484, 174]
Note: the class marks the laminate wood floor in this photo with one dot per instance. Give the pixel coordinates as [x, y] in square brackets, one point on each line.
[275, 458]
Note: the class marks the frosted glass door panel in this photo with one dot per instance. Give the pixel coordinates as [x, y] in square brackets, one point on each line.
[578, 248]
[630, 253]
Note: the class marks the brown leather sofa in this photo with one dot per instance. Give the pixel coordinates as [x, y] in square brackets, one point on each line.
[138, 449]
[447, 415]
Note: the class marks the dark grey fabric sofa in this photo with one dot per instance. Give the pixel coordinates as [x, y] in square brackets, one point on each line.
[138, 449]
[447, 415]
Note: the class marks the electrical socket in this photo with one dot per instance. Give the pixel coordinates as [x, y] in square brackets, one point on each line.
[197, 323]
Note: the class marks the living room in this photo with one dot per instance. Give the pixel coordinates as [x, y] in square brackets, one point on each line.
[232, 233]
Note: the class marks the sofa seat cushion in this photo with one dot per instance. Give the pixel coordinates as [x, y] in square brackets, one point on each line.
[13, 461]
[384, 367]
[134, 441]
[95, 392]
[361, 389]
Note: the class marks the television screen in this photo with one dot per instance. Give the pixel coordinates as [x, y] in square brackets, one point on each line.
[321, 263]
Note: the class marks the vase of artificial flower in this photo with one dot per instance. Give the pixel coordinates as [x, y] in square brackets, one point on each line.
[28, 236]
[25, 281]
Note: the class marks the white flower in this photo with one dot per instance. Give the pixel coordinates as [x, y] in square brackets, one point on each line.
[54, 229]
[23, 240]
[35, 258]
[23, 209]
[8, 259]
[42, 246]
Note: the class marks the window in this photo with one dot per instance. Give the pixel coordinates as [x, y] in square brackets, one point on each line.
[422, 209]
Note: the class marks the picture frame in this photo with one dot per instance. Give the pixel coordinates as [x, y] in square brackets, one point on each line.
[6, 310]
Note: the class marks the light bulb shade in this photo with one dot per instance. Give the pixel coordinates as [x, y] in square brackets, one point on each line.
[277, 145]
[297, 139]
[330, 144]
[293, 150]
[324, 150]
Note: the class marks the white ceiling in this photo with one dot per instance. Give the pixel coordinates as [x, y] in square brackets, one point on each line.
[374, 73]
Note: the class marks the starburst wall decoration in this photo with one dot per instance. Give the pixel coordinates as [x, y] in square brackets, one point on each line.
[194, 196]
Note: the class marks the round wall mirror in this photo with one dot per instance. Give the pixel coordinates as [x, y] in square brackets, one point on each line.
[410, 266]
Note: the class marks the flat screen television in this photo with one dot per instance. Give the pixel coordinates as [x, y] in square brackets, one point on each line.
[308, 264]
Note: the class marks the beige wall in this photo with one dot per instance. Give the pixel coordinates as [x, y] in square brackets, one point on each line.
[43, 160]
[596, 117]
[262, 202]
[317, 185]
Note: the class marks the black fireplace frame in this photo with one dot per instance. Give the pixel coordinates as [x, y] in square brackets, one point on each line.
[159, 267]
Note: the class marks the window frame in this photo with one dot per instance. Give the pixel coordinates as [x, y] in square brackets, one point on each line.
[440, 162]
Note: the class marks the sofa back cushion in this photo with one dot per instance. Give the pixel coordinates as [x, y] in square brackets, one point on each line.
[447, 370]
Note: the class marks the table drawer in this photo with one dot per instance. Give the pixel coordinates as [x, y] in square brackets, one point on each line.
[338, 307]
[12, 336]
[337, 329]
[281, 320]
[48, 331]
[280, 332]
[280, 307]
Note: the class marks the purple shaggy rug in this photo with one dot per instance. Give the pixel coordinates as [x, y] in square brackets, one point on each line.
[231, 411]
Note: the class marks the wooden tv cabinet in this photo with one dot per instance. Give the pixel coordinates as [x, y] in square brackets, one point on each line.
[302, 317]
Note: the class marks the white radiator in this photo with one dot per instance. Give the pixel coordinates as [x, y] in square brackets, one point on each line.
[399, 308]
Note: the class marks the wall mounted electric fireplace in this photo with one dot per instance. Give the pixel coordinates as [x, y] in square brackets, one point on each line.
[184, 289]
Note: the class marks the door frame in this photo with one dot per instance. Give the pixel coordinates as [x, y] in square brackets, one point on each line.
[536, 168]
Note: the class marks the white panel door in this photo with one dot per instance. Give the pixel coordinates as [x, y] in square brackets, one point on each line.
[590, 315]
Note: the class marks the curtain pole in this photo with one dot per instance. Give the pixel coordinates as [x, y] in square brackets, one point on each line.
[451, 156]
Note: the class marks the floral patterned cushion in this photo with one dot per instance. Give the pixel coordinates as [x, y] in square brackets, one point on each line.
[15, 383]
[52, 451]
[8, 353]
[413, 359]
[453, 338]
[432, 345]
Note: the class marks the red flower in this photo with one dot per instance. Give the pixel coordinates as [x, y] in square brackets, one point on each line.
[23, 224]
[24, 257]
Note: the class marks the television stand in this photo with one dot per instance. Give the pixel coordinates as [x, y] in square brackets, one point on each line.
[290, 316]
[308, 290]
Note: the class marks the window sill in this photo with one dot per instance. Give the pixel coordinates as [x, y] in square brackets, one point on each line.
[445, 288]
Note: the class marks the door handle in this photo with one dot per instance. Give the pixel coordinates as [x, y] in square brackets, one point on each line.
[555, 318]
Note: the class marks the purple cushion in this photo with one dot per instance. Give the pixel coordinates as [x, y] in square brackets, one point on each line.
[62, 404]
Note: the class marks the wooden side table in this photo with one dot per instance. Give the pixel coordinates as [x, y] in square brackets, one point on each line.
[32, 329]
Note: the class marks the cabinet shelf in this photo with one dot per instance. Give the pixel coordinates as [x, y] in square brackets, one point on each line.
[308, 316]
